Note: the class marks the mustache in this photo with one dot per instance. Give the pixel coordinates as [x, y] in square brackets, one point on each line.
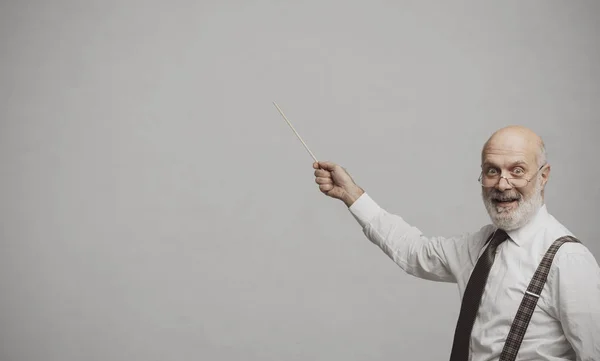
[507, 196]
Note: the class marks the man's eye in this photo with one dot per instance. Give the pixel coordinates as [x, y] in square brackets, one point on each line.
[518, 171]
[491, 172]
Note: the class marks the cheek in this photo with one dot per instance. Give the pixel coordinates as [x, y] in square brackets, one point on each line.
[525, 193]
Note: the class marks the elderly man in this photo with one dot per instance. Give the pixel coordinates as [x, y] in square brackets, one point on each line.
[554, 317]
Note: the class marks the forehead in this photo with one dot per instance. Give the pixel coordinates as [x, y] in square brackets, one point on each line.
[509, 150]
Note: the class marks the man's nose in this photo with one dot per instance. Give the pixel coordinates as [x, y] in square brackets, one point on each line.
[503, 184]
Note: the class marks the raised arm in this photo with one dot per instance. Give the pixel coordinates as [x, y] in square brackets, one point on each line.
[433, 258]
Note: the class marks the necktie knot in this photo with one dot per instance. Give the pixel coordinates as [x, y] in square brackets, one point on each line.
[499, 236]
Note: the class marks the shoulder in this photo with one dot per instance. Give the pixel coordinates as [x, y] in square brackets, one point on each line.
[569, 250]
[574, 273]
[575, 262]
[574, 255]
[475, 241]
[479, 237]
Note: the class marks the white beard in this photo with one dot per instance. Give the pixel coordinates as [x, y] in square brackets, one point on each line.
[509, 220]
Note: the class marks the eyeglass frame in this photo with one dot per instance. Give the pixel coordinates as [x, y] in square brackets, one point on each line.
[480, 180]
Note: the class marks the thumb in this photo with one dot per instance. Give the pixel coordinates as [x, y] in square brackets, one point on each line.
[330, 166]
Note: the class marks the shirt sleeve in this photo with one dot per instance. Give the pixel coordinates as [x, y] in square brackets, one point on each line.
[434, 258]
[576, 294]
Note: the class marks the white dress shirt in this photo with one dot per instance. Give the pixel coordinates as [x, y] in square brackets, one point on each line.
[566, 322]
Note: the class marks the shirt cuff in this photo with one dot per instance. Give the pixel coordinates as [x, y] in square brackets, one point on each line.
[364, 209]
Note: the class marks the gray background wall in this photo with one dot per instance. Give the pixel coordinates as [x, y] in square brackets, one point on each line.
[155, 206]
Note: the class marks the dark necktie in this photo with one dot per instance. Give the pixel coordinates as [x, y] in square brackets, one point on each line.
[472, 298]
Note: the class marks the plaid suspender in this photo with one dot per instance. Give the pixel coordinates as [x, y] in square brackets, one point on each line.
[521, 320]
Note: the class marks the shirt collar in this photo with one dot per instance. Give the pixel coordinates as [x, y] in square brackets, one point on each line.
[525, 234]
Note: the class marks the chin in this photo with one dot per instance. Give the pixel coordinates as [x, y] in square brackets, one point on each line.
[507, 222]
[504, 219]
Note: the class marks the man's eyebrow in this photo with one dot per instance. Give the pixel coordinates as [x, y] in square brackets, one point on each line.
[489, 163]
[518, 162]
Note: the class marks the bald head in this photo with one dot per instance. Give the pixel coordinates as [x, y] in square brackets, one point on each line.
[517, 140]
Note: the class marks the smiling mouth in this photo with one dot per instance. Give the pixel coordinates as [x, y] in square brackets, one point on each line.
[503, 202]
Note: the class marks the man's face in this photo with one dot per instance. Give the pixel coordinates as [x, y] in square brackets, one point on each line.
[510, 207]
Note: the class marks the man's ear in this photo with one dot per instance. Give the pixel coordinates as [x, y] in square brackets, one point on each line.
[545, 174]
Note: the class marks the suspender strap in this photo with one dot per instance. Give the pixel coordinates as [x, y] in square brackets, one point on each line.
[530, 299]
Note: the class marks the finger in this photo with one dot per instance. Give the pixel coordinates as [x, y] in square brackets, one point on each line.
[327, 165]
[316, 165]
[322, 173]
[320, 180]
[326, 187]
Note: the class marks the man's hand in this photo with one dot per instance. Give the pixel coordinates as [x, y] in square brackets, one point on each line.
[334, 181]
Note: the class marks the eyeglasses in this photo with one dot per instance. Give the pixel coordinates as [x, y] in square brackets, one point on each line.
[490, 180]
